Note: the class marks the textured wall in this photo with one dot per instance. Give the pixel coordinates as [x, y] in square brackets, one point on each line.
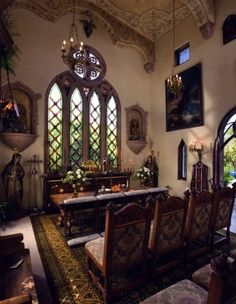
[219, 91]
[40, 42]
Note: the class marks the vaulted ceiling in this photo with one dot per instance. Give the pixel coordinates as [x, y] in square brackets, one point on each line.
[136, 24]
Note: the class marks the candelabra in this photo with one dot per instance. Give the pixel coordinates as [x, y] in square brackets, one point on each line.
[72, 51]
[193, 147]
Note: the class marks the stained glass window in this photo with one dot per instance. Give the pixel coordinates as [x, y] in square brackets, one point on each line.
[111, 132]
[55, 127]
[83, 117]
[94, 128]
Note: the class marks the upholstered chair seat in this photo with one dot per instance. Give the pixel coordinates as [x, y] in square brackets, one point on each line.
[184, 291]
[96, 249]
[202, 276]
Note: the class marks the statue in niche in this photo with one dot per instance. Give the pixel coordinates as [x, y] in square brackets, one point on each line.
[12, 176]
[135, 132]
[151, 164]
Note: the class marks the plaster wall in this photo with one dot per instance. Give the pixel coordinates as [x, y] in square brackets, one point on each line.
[219, 91]
[40, 61]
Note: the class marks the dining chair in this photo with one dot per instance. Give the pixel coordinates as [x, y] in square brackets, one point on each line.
[186, 291]
[119, 260]
[222, 212]
[166, 241]
[198, 223]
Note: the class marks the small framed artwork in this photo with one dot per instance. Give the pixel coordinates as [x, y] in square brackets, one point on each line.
[185, 109]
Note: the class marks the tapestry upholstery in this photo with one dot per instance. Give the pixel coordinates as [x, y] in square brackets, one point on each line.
[125, 250]
[168, 225]
[170, 230]
[184, 291]
[223, 215]
[128, 243]
[200, 221]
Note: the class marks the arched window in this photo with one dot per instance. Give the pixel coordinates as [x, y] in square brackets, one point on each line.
[82, 117]
[229, 29]
[224, 156]
[182, 160]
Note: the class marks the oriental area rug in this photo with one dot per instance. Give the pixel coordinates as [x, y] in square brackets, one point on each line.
[66, 270]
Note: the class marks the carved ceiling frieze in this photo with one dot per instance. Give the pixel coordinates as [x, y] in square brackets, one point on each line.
[138, 26]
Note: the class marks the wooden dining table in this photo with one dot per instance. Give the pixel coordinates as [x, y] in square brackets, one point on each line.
[59, 198]
[66, 216]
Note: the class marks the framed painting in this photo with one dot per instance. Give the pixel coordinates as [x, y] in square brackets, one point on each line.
[185, 109]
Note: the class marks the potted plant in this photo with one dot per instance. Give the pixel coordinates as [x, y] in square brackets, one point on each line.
[76, 179]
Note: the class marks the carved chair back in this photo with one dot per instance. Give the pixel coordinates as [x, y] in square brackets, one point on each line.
[126, 236]
[222, 211]
[199, 215]
[222, 208]
[124, 248]
[167, 230]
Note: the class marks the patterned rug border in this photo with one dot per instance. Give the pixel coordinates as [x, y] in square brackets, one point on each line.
[66, 279]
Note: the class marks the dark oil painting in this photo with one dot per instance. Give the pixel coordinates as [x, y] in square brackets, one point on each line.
[185, 109]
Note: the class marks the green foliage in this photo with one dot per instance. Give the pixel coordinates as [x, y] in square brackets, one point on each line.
[3, 207]
[229, 161]
[8, 59]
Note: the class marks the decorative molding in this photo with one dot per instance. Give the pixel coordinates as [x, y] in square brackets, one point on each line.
[126, 28]
[203, 13]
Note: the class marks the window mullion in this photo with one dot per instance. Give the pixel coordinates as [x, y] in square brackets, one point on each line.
[85, 127]
[66, 130]
[103, 130]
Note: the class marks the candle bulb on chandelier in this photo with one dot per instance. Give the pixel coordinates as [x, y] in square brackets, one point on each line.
[201, 142]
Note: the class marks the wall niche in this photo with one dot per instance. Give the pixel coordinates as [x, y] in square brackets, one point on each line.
[136, 128]
[18, 132]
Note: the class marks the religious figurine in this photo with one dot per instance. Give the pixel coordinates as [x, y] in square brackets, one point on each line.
[12, 176]
[152, 165]
[134, 130]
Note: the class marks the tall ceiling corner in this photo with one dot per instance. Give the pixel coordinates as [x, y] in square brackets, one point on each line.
[203, 12]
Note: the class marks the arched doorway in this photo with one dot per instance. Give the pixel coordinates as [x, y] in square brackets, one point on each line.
[224, 156]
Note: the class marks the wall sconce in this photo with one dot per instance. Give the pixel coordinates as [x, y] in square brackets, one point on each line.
[193, 147]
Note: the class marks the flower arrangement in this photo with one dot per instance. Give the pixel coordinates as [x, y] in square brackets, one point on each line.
[143, 173]
[75, 177]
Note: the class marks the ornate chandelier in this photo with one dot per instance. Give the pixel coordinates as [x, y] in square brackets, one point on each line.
[174, 82]
[72, 49]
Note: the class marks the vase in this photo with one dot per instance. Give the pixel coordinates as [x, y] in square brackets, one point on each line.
[75, 194]
[142, 184]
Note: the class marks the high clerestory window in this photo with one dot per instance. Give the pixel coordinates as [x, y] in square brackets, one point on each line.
[182, 54]
[83, 116]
